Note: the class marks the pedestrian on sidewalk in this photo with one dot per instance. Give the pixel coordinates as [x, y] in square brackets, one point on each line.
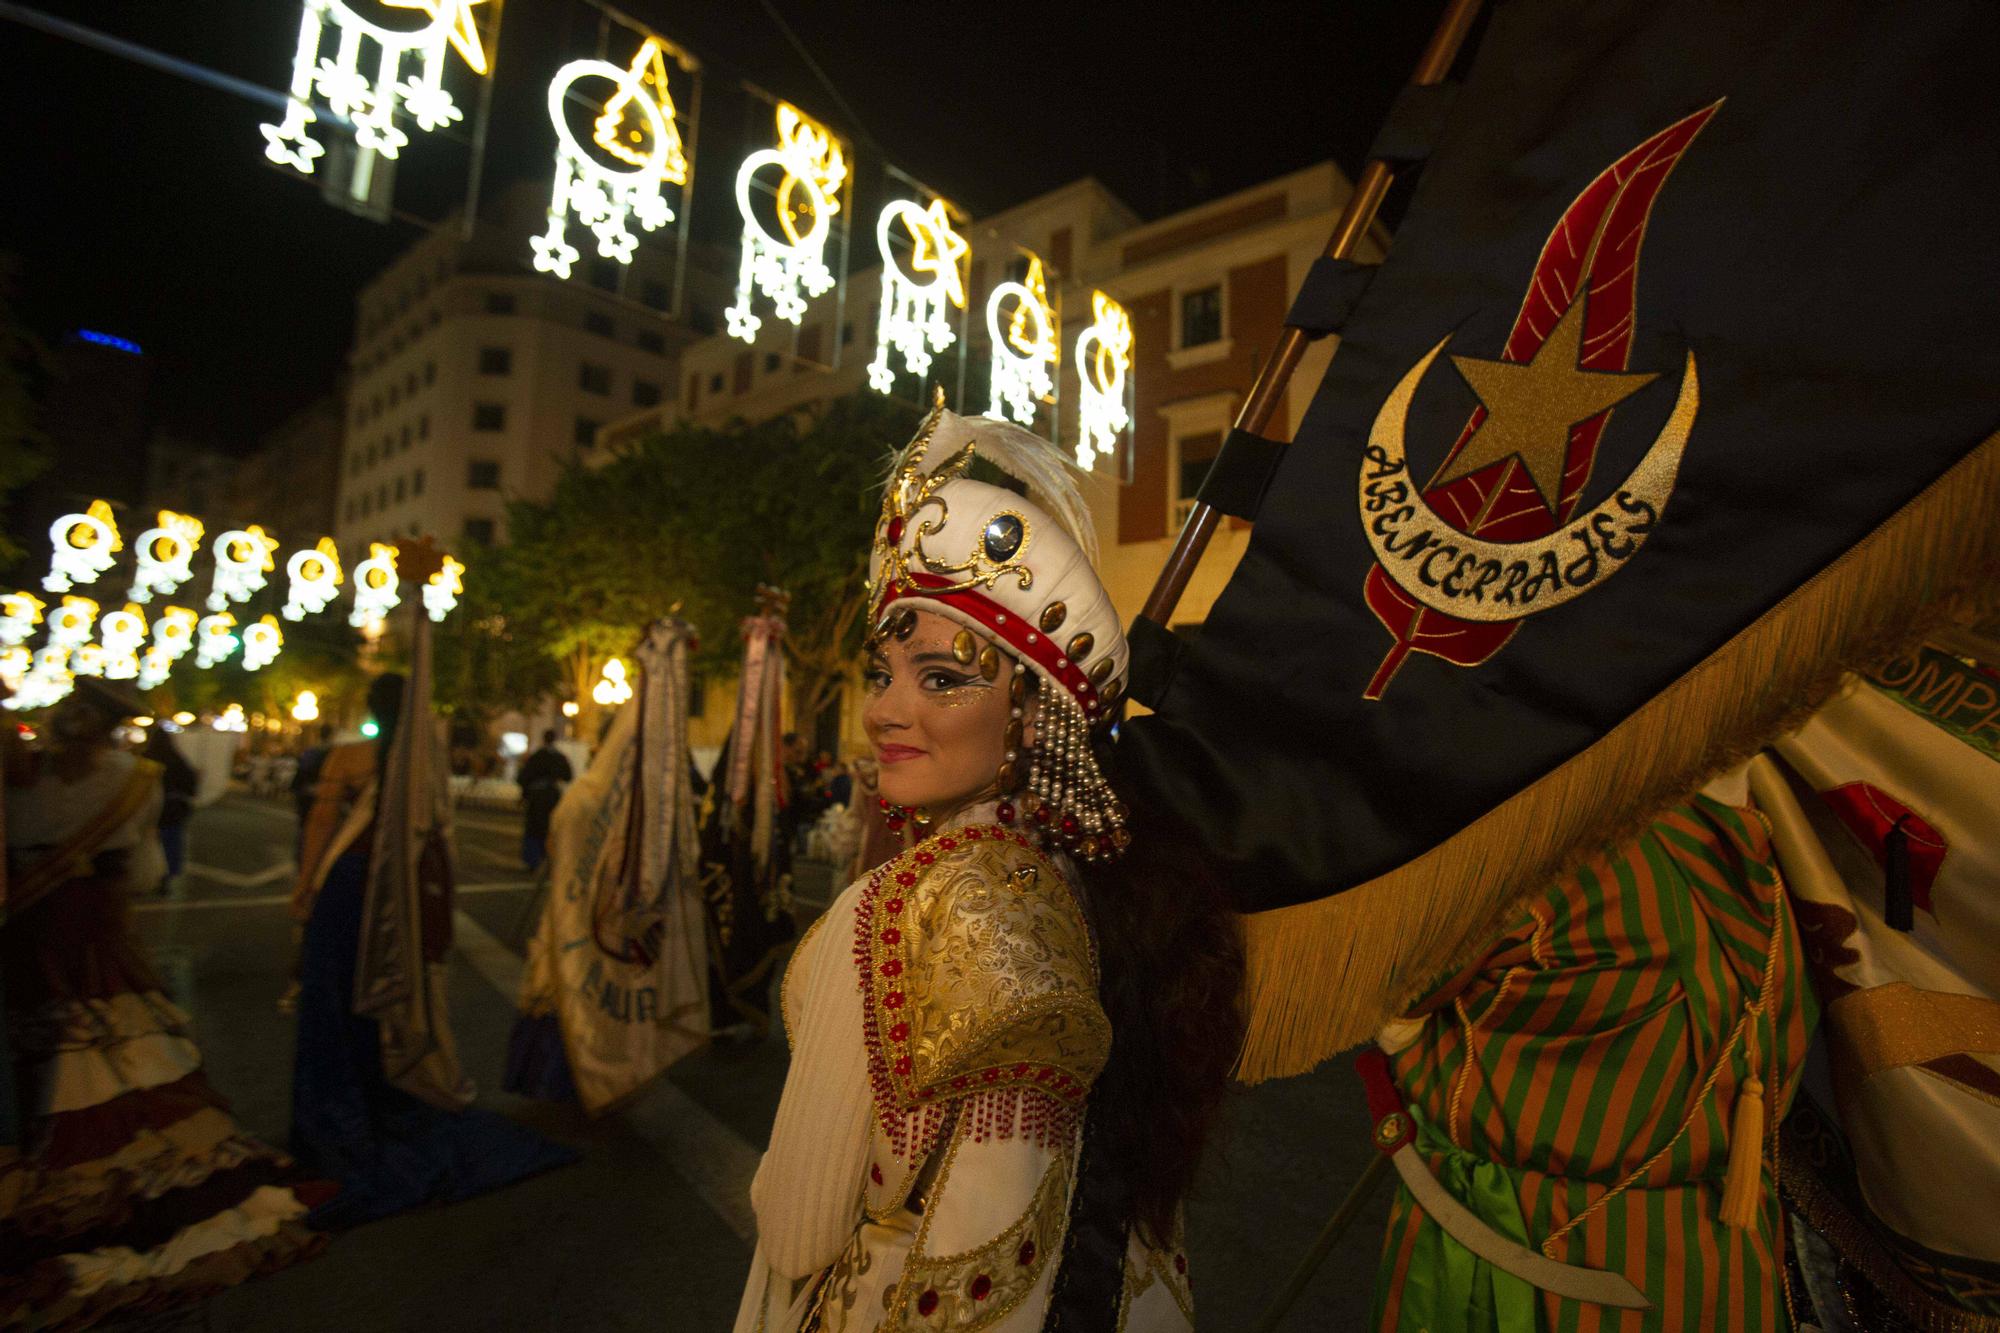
[543, 776]
[177, 787]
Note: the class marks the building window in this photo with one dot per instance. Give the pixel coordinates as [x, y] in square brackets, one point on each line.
[653, 295]
[645, 393]
[604, 274]
[585, 435]
[375, 406]
[366, 507]
[1201, 316]
[593, 378]
[1194, 455]
[599, 323]
[399, 488]
[382, 496]
[417, 482]
[496, 360]
[479, 532]
[650, 340]
[489, 416]
[349, 512]
[430, 372]
[715, 383]
[847, 333]
[410, 384]
[499, 303]
[482, 474]
[771, 360]
[404, 441]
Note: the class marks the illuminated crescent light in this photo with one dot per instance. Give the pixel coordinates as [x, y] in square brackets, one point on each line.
[612, 687]
[262, 641]
[122, 634]
[173, 632]
[71, 624]
[215, 639]
[46, 682]
[375, 592]
[85, 544]
[154, 668]
[15, 663]
[20, 612]
[242, 559]
[370, 99]
[1103, 365]
[314, 579]
[441, 590]
[604, 198]
[911, 319]
[783, 267]
[1024, 358]
[163, 556]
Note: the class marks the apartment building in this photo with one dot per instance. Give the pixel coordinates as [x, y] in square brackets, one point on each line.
[474, 379]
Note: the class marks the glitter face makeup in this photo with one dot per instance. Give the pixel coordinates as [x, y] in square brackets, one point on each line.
[937, 722]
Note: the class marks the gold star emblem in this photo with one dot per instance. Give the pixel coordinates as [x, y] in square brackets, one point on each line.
[460, 28]
[1531, 408]
[938, 250]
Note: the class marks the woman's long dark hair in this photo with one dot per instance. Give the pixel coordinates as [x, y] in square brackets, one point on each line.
[1171, 954]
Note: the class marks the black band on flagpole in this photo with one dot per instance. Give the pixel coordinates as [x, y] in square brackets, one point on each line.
[1414, 122]
[1328, 295]
[1237, 479]
[1156, 654]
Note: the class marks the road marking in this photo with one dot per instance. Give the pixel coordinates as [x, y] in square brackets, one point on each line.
[238, 879]
[282, 899]
[710, 1156]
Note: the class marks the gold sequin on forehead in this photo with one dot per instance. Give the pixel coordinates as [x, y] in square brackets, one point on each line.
[964, 647]
[1080, 646]
[989, 663]
[1052, 616]
[903, 624]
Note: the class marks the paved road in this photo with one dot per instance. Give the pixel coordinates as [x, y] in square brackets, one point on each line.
[651, 1229]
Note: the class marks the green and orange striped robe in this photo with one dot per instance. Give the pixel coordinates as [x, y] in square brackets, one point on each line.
[1576, 1052]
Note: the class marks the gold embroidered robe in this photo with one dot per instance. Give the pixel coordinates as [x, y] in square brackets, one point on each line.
[946, 1032]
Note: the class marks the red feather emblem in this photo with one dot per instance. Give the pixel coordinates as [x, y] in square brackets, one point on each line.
[1595, 245]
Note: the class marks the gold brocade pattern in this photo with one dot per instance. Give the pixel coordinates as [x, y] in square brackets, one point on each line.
[980, 973]
[1168, 1269]
[978, 1288]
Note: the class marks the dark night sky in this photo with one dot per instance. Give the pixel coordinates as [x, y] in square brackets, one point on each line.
[138, 203]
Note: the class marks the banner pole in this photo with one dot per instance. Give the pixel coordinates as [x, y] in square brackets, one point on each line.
[1276, 374]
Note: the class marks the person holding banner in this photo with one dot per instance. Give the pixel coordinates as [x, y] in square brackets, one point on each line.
[1010, 1040]
[132, 1187]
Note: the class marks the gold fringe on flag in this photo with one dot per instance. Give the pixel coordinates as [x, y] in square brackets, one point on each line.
[1323, 976]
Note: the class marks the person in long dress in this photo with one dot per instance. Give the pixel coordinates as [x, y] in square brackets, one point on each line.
[352, 1118]
[132, 1188]
[1010, 1040]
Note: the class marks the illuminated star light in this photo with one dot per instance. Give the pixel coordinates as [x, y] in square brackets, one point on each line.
[912, 318]
[242, 559]
[262, 642]
[122, 633]
[46, 682]
[163, 557]
[315, 579]
[375, 592]
[441, 590]
[371, 101]
[783, 268]
[85, 545]
[602, 198]
[1103, 363]
[215, 640]
[1024, 358]
[71, 624]
[173, 632]
[20, 612]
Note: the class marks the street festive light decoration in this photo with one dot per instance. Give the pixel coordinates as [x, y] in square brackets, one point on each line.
[122, 633]
[612, 687]
[262, 641]
[173, 632]
[306, 707]
[154, 668]
[232, 719]
[242, 559]
[1103, 365]
[313, 576]
[87, 659]
[215, 639]
[916, 292]
[784, 266]
[15, 663]
[370, 99]
[20, 612]
[71, 624]
[163, 556]
[86, 545]
[46, 681]
[441, 589]
[375, 593]
[637, 127]
[1024, 357]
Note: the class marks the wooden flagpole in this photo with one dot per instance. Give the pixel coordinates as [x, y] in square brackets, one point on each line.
[1269, 387]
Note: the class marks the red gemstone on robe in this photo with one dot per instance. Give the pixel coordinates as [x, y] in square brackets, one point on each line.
[875, 1173]
[1006, 812]
[927, 1302]
[900, 1032]
[893, 968]
[906, 879]
[893, 906]
[895, 823]
[892, 936]
[1069, 826]
[893, 1000]
[903, 1065]
[1180, 1264]
[981, 1288]
[1027, 1255]
[895, 533]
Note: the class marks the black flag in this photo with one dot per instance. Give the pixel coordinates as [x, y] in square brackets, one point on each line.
[1676, 395]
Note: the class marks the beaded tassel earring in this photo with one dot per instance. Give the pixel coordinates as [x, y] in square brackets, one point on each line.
[1073, 807]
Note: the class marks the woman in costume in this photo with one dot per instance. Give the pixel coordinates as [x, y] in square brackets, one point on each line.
[1009, 1041]
[392, 1126]
[133, 1187]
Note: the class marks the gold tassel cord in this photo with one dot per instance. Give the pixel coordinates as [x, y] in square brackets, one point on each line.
[1324, 975]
